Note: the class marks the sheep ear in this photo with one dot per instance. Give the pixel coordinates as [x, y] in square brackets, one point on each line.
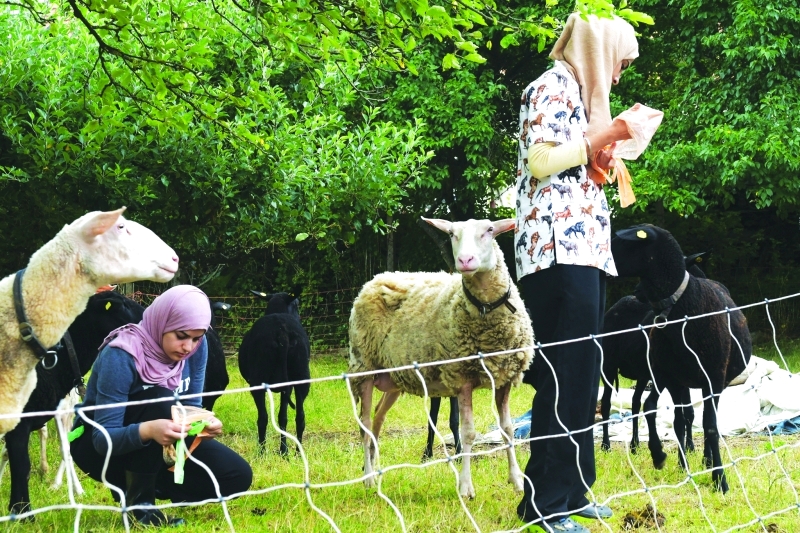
[638, 233]
[438, 223]
[99, 223]
[694, 259]
[502, 226]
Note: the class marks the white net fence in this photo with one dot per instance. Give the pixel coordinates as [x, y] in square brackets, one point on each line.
[764, 503]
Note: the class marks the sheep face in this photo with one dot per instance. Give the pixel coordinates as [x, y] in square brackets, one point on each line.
[472, 241]
[117, 250]
[639, 251]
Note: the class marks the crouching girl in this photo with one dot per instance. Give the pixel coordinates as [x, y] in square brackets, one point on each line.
[163, 355]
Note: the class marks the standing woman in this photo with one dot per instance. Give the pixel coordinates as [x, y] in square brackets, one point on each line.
[563, 257]
[163, 355]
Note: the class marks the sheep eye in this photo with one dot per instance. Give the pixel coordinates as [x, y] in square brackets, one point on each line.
[121, 226]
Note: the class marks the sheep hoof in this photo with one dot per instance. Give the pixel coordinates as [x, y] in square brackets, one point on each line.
[721, 484]
[659, 460]
[605, 446]
[369, 482]
[467, 490]
[21, 507]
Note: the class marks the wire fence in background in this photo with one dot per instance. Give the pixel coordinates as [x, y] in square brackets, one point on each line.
[324, 315]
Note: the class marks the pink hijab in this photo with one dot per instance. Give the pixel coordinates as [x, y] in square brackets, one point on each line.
[182, 307]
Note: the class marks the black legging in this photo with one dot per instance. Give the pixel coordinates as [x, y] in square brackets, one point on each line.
[565, 302]
[231, 471]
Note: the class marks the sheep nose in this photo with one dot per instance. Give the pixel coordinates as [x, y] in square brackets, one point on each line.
[465, 261]
[175, 258]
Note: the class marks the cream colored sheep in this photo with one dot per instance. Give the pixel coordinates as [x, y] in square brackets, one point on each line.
[399, 318]
[97, 249]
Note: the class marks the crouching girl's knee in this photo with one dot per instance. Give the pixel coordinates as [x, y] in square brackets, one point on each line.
[239, 478]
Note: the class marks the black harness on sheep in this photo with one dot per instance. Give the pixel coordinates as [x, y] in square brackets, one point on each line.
[77, 382]
[487, 308]
[26, 329]
[663, 307]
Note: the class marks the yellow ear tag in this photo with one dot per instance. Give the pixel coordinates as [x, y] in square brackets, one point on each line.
[641, 234]
[263, 294]
[699, 259]
[108, 306]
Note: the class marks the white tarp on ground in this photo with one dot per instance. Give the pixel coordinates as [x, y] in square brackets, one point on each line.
[763, 395]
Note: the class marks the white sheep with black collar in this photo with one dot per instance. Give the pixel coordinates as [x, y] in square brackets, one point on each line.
[399, 318]
[97, 249]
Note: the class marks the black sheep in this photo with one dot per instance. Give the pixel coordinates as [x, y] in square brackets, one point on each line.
[104, 312]
[436, 402]
[653, 255]
[625, 354]
[277, 350]
[217, 378]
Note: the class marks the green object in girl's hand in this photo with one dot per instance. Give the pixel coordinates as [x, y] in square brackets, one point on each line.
[75, 433]
[180, 449]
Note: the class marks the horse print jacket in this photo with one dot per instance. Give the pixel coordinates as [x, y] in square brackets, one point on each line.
[564, 217]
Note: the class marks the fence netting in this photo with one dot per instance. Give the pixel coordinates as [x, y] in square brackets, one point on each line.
[327, 330]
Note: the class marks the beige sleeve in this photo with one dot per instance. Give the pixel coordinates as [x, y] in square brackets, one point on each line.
[548, 158]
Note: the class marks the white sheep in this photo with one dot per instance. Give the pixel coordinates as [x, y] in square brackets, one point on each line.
[97, 249]
[400, 318]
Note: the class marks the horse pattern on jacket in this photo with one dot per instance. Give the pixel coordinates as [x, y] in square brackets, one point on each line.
[563, 218]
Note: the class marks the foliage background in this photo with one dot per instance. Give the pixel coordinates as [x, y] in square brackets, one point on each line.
[282, 144]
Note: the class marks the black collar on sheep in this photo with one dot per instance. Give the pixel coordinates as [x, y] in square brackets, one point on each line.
[26, 329]
[488, 308]
[663, 307]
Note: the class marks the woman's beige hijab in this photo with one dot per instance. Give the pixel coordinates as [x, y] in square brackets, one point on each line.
[591, 49]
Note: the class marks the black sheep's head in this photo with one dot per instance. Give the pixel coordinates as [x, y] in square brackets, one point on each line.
[216, 306]
[105, 312]
[646, 251]
[694, 264]
[281, 302]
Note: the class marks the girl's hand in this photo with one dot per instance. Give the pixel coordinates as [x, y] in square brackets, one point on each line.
[214, 428]
[162, 431]
[604, 157]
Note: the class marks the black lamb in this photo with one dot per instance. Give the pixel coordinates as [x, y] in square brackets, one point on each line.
[653, 255]
[104, 312]
[277, 350]
[217, 378]
[625, 354]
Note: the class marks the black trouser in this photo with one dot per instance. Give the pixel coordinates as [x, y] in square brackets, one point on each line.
[565, 302]
[231, 471]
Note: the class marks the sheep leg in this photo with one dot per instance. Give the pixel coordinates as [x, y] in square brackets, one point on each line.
[386, 402]
[654, 442]
[436, 402]
[259, 396]
[44, 467]
[636, 407]
[711, 434]
[688, 416]
[283, 420]
[605, 413]
[19, 461]
[3, 459]
[366, 429]
[454, 423]
[465, 488]
[501, 399]
[300, 395]
[679, 424]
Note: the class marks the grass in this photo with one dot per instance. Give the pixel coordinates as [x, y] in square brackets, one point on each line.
[766, 476]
